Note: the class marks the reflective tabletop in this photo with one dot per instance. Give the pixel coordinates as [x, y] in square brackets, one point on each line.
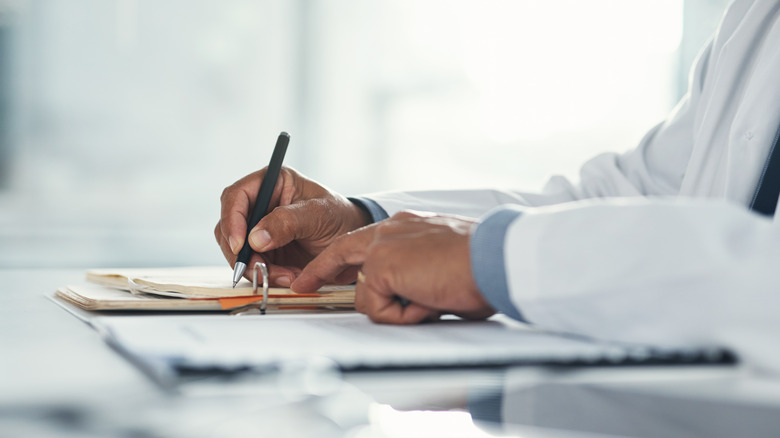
[58, 378]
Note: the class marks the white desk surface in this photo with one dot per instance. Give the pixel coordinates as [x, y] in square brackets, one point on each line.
[58, 378]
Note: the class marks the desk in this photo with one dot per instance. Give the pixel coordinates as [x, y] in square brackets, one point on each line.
[58, 378]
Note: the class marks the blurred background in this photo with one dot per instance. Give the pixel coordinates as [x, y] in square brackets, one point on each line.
[121, 121]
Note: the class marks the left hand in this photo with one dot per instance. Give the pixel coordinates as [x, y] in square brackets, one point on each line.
[421, 257]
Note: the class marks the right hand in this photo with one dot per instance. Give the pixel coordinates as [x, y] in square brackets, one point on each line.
[304, 219]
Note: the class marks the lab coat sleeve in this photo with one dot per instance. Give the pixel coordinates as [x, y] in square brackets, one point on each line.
[659, 271]
[654, 168]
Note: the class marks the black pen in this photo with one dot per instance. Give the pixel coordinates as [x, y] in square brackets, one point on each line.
[262, 202]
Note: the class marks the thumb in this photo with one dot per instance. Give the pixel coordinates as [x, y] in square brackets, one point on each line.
[283, 225]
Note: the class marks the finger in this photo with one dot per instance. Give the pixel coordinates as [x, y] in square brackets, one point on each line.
[278, 276]
[282, 276]
[346, 251]
[224, 246]
[280, 227]
[376, 297]
[286, 189]
[303, 220]
[236, 202]
[360, 302]
[347, 276]
[388, 309]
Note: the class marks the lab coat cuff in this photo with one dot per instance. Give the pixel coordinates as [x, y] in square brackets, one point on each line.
[377, 213]
[488, 263]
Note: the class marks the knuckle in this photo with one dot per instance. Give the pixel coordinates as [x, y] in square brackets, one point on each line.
[387, 227]
[286, 221]
[405, 214]
[380, 253]
[287, 172]
[336, 251]
[293, 174]
[413, 214]
[375, 318]
[227, 193]
[359, 305]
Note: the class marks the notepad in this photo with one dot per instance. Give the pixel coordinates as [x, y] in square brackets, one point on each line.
[190, 282]
[191, 289]
[96, 297]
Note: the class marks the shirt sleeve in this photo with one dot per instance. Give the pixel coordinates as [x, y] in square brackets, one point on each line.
[488, 262]
[370, 206]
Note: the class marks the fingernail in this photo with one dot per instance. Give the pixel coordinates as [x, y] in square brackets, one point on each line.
[259, 239]
[284, 281]
[233, 245]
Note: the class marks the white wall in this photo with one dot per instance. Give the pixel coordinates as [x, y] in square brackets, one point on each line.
[128, 117]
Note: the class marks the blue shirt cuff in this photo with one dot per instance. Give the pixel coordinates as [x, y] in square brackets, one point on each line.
[377, 213]
[488, 262]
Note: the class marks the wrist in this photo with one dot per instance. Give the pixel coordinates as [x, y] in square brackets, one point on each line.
[482, 307]
[359, 215]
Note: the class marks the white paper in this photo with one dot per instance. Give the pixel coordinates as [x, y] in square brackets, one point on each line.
[351, 340]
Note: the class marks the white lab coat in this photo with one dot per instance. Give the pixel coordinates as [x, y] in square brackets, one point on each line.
[657, 244]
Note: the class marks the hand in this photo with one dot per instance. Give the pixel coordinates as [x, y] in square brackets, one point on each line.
[423, 258]
[304, 219]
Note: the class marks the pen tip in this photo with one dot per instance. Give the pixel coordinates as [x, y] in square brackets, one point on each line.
[234, 284]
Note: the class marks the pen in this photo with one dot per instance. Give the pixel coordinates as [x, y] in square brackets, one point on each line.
[262, 202]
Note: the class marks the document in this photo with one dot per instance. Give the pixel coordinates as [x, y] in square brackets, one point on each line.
[193, 289]
[352, 341]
